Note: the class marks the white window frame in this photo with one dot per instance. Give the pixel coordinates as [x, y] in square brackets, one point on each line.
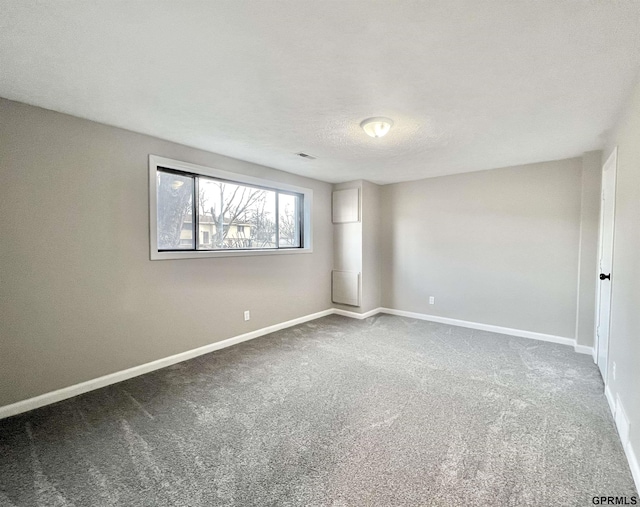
[156, 161]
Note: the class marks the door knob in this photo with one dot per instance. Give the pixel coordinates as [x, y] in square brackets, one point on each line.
[605, 277]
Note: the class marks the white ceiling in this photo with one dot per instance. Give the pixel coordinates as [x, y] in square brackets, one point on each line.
[470, 84]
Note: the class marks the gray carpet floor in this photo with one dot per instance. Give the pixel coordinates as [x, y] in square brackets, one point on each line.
[387, 411]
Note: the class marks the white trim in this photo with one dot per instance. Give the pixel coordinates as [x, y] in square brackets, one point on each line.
[119, 376]
[622, 426]
[633, 464]
[583, 349]
[205, 254]
[113, 378]
[156, 161]
[483, 327]
[622, 422]
[355, 315]
[612, 404]
[612, 159]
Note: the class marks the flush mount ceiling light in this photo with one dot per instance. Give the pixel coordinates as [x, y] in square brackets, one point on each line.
[377, 126]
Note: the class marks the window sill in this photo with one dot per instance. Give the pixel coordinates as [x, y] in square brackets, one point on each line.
[202, 254]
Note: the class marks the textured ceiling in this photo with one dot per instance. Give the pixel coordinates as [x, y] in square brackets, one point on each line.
[470, 84]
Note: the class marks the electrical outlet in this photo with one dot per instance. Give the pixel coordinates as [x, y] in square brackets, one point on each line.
[432, 300]
[247, 315]
[614, 371]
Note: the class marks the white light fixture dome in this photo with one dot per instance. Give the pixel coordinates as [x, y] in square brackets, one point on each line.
[377, 126]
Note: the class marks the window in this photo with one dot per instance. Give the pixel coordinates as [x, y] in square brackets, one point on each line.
[202, 212]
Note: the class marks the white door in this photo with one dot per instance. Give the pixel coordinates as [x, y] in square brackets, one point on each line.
[607, 217]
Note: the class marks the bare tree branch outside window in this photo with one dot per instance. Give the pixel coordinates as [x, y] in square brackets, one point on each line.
[175, 194]
[230, 215]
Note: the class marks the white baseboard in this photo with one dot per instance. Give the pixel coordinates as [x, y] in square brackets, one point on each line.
[483, 327]
[610, 400]
[583, 349]
[633, 464]
[113, 378]
[355, 315]
[622, 425]
[622, 422]
[119, 376]
[617, 410]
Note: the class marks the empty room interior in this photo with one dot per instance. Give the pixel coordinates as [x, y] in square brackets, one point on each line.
[302, 253]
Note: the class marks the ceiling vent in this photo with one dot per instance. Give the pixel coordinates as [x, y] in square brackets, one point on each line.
[306, 155]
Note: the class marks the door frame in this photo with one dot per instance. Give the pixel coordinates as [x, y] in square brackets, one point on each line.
[613, 160]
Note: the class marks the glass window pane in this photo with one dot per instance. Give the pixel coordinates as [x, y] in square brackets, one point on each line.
[175, 217]
[235, 216]
[289, 220]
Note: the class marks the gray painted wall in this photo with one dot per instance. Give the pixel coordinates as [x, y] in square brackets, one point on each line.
[588, 251]
[371, 246]
[497, 247]
[624, 342]
[80, 297]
